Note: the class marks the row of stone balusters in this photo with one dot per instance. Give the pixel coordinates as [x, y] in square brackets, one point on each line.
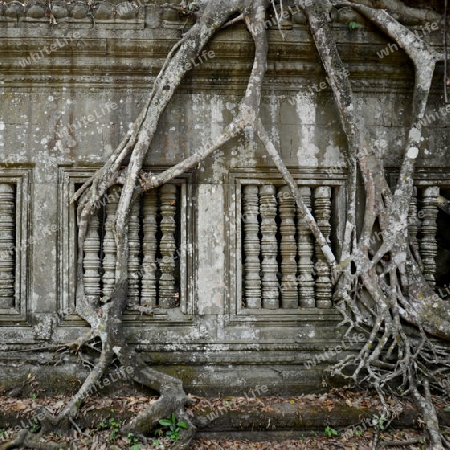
[7, 246]
[303, 282]
[424, 224]
[143, 286]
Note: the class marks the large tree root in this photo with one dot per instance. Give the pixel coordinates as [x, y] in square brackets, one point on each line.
[381, 292]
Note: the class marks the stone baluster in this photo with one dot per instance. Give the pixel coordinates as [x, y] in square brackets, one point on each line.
[91, 260]
[252, 248]
[134, 254]
[167, 247]
[305, 254]
[149, 247]
[7, 246]
[269, 247]
[323, 213]
[428, 244]
[288, 248]
[413, 225]
[109, 243]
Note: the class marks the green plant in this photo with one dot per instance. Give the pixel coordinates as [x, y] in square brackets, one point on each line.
[2, 433]
[35, 427]
[330, 432]
[358, 433]
[174, 427]
[447, 409]
[33, 396]
[137, 446]
[313, 433]
[112, 425]
[379, 421]
[131, 438]
[354, 25]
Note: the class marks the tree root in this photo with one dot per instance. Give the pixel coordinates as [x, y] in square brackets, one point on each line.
[25, 439]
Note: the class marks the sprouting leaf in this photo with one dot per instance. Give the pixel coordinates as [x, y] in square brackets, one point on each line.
[354, 25]
[165, 422]
[183, 425]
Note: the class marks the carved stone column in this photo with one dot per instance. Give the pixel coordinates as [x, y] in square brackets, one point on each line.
[167, 247]
[428, 244]
[134, 254]
[288, 247]
[252, 248]
[7, 246]
[91, 260]
[322, 212]
[413, 224]
[149, 247]
[305, 253]
[269, 247]
[109, 243]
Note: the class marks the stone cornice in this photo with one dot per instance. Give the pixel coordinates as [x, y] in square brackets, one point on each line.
[107, 48]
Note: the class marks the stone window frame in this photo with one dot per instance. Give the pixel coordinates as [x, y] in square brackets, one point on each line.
[20, 177]
[335, 177]
[423, 177]
[70, 177]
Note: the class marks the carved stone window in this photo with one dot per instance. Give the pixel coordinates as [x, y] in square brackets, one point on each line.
[160, 249]
[281, 268]
[429, 230]
[15, 243]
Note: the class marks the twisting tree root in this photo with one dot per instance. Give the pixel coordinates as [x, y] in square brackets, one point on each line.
[378, 285]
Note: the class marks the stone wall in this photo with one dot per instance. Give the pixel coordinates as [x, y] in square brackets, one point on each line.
[69, 90]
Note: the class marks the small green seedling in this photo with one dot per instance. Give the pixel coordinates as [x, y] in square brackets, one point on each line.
[354, 26]
[380, 421]
[174, 427]
[330, 432]
[35, 427]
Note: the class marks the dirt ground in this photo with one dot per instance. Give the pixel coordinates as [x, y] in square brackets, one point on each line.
[100, 420]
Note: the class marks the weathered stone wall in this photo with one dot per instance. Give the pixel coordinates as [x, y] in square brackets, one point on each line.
[69, 91]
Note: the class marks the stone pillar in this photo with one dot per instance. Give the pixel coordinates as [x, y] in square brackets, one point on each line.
[269, 247]
[7, 246]
[252, 248]
[134, 254]
[322, 213]
[305, 253]
[413, 222]
[149, 247]
[91, 260]
[428, 244]
[167, 247]
[288, 248]
[109, 243]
